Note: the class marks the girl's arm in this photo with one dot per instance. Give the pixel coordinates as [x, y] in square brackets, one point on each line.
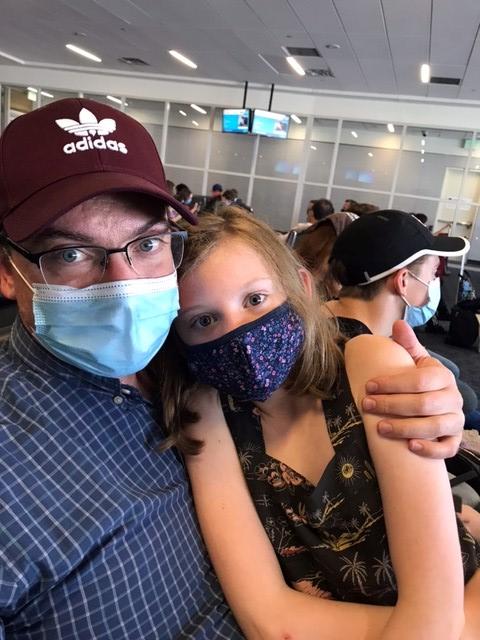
[419, 513]
[243, 558]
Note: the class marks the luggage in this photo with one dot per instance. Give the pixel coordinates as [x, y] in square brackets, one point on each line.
[464, 323]
[465, 315]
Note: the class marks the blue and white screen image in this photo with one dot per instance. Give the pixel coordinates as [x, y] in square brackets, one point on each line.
[267, 123]
[236, 120]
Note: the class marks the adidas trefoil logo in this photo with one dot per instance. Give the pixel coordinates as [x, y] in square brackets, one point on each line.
[87, 127]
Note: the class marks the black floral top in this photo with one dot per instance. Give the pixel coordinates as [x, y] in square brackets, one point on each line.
[330, 538]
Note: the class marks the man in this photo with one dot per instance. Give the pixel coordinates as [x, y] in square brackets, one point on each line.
[98, 538]
[230, 196]
[214, 199]
[319, 209]
[348, 204]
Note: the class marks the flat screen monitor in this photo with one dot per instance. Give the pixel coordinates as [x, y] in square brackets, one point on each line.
[268, 123]
[236, 120]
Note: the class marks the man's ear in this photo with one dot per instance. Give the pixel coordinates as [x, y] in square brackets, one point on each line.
[399, 282]
[307, 281]
[7, 282]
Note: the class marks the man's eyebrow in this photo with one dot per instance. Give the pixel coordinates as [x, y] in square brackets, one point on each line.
[51, 233]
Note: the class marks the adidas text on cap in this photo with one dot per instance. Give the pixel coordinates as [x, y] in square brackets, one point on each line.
[380, 243]
[69, 151]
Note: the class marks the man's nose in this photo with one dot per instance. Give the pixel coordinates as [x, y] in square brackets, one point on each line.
[118, 268]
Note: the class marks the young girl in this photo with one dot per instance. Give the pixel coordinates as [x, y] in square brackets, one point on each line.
[351, 516]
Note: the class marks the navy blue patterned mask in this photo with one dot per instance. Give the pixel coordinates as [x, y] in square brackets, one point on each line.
[253, 360]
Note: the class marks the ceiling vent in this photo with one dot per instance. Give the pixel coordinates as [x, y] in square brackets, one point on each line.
[319, 73]
[307, 52]
[440, 80]
[134, 61]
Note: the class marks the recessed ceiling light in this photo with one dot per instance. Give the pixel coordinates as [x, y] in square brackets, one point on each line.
[197, 108]
[332, 45]
[425, 73]
[114, 99]
[182, 113]
[423, 151]
[354, 134]
[181, 58]
[422, 159]
[195, 123]
[390, 127]
[83, 52]
[312, 146]
[295, 118]
[370, 154]
[8, 56]
[296, 66]
[423, 142]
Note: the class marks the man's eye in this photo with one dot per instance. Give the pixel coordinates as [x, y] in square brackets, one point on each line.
[256, 298]
[69, 255]
[147, 245]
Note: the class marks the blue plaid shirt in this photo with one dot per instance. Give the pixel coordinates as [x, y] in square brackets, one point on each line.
[98, 537]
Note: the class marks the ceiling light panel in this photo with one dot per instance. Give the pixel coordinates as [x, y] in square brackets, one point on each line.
[83, 52]
[296, 66]
[181, 58]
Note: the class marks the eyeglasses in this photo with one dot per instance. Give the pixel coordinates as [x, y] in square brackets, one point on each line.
[81, 266]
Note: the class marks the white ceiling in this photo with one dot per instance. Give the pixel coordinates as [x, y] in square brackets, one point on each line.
[382, 42]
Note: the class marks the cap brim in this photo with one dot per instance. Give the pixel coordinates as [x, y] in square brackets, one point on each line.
[45, 206]
[446, 246]
[449, 246]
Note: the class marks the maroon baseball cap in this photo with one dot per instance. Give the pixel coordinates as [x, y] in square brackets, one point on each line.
[60, 155]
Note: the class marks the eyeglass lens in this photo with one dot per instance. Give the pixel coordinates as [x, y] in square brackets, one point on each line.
[79, 267]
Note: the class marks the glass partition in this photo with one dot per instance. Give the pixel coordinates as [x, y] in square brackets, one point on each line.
[272, 201]
[320, 150]
[367, 156]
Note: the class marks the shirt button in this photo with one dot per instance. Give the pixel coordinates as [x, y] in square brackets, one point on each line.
[117, 399]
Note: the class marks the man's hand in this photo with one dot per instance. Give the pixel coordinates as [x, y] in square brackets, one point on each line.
[426, 402]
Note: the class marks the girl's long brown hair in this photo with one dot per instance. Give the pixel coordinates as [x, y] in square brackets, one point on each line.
[316, 369]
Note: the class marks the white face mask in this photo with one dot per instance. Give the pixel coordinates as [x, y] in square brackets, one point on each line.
[417, 316]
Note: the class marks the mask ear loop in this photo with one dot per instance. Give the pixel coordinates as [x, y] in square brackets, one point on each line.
[20, 274]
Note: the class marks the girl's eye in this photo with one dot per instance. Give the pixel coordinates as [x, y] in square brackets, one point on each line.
[256, 298]
[203, 321]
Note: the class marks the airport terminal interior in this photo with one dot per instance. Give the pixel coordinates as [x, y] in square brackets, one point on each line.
[352, 120]
[293, 110]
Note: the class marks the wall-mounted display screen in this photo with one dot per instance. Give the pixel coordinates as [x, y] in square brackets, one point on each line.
[236, 121]
[268, 123]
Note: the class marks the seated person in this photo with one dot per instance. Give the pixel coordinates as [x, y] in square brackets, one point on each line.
[314, 247]
[231, 197]
[387, 263]
[215, 198]
[343, 510]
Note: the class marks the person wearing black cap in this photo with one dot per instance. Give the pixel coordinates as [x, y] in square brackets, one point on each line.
[386, 264]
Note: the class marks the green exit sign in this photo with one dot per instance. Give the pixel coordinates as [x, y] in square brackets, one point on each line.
[468, 143]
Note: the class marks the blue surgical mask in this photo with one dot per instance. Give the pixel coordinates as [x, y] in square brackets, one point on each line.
[417, 316]
[112, 329]
[252, 361]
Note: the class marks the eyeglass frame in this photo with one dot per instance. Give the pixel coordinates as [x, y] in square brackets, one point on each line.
[35, 258]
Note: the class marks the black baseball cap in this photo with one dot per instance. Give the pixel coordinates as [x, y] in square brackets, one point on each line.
[379, 243]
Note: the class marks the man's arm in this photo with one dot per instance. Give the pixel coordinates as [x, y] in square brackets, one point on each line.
[423, 405]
